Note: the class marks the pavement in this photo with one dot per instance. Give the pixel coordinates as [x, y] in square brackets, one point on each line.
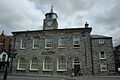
[38, 77]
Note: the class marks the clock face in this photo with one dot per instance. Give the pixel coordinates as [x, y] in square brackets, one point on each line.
[54, 16]
[49, 23]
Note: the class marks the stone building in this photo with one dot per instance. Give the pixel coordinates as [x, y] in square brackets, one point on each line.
[54, 51]
[103, 57]
[117, 57]
[5, 43]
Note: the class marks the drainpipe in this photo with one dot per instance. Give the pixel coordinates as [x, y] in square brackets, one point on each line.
[92, 57]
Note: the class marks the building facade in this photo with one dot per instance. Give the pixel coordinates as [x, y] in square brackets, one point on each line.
[103, 57]
[5, 44]
[54, 51]
[117, 57]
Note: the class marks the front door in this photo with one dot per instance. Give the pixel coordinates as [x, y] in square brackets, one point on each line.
[76, 67]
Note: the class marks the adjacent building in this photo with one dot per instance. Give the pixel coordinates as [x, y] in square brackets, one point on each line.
[117, 57]
[54, 51]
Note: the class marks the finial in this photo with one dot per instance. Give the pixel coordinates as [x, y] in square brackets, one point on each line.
[86, 25]
[51, 6]
[3, 32]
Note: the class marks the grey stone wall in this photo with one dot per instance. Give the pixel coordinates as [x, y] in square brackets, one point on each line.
[107, 47]
[83, 53]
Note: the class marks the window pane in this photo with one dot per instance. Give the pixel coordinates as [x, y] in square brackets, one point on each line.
[34, 63]
[103, 67]
[102, 55]
[61, 41]
[48, 42]
[35, 42]
[22, 63]
[47, 63]
[23, 43]
[76, 41]
[62, 64]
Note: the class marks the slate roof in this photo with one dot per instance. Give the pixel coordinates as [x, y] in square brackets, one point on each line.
[100, 37]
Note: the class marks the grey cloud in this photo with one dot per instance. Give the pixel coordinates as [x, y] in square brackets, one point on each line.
[18, 15]
[102, 15]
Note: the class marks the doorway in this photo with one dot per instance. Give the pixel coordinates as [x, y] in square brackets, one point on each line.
[76, 67]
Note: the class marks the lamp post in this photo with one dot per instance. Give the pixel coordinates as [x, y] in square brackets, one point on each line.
[7, 64]
[10, 55]
[13, 55]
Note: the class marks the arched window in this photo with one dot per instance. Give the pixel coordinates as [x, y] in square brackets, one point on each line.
[47, 64]
[34, 64]
[21, 64]
[62, 64]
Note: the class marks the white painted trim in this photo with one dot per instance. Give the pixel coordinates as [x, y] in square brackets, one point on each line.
[101, 41]
[33, 44]
[74, 39]
[1, 56]
[18, 65]
[47, 69]
[31, 65]
[100, 55]
[61, 69]
[60, 46]
[103, 65]
[46, 42]
[75, 63]
[21, 41]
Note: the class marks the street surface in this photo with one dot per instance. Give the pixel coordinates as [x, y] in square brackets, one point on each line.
[63, 78]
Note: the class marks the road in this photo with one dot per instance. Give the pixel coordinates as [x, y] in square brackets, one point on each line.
[63, 78]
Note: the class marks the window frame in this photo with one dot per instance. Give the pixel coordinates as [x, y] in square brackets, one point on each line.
[103, 65]
[58, 68]
[18, 65]
[37, 40]
[100, 55]
[21, 44]
[49, 43]
[61, 38]
[76, 38]
[101, 41]
[51, 64]
[31, 63]
[1, 56]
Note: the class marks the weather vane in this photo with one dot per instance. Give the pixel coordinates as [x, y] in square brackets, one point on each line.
[51, 5]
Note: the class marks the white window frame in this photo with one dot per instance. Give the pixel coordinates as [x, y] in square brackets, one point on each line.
[100, 56]
[46, 41]
[34, 39]
[58, 66]
[101, 41]
[59, 44]
[1, 56]
[103, 65]
[21, 43]
[31, 65]
[47, 69]
[75, 38]
[18, 65]
[76, 63]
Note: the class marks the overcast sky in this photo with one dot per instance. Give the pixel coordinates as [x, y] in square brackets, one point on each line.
[102, 15]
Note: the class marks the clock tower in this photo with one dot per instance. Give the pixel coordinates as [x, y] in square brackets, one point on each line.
[50, 21]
